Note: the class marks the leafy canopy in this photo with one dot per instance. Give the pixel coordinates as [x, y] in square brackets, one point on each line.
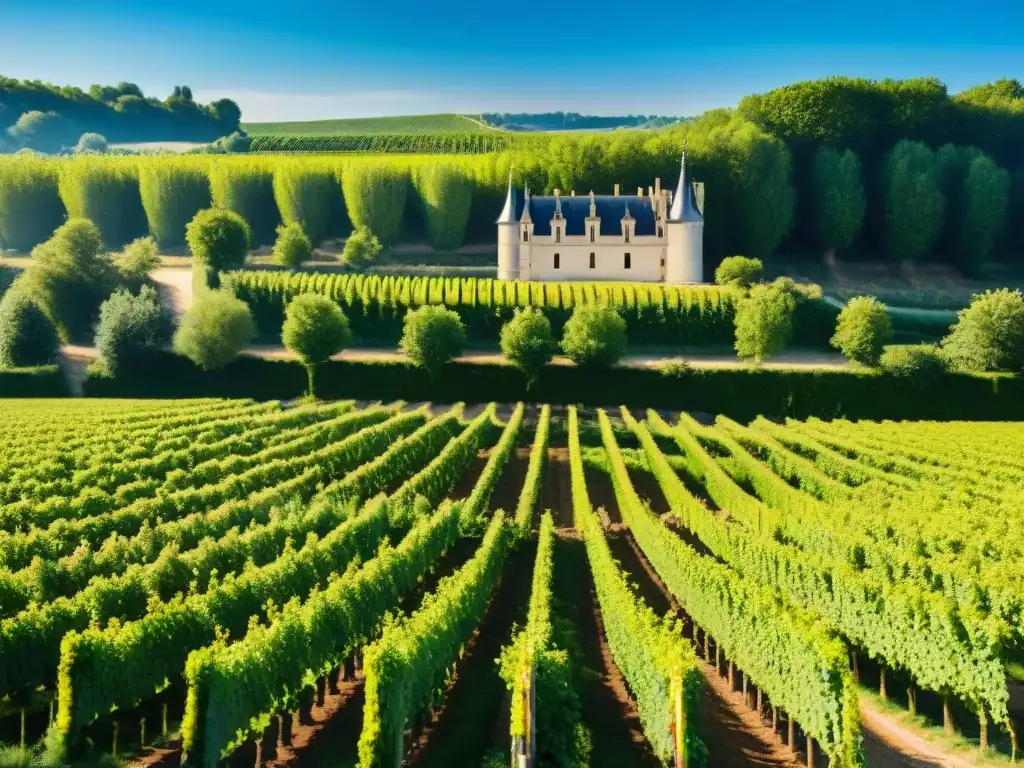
[214, 330]
[131, 329]
[863, 330]
[527, 341]
[219, 239]
[989, 336]
[764, 320]
[594, 336]
[432, 336]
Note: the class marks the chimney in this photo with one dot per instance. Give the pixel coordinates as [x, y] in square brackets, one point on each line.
[639, 191]
[616, 190]
[657, 189]
[572, 193]
[650, 192]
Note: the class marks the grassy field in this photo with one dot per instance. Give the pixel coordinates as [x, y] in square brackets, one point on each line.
[411, 125]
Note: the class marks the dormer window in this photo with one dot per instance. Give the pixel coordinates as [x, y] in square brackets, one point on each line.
[661, 232]
[526, 236]
[558, 234]
[591, 233]
[626, 230]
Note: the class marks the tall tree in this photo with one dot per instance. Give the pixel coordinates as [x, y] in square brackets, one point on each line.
[914, 205]
[838, 197]
[986, 194]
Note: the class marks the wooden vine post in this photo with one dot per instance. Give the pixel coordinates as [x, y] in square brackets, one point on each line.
[524, 747]
[678, 719]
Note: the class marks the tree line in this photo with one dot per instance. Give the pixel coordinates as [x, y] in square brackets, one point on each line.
[46, 117]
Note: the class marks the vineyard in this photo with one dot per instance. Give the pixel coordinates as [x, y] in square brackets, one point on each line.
[397, 143]
[407, 125]
[207, 582]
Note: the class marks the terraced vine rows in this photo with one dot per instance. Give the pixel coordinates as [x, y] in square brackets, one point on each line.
[201, 581]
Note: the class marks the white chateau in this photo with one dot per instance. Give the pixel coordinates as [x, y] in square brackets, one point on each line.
[657, 237]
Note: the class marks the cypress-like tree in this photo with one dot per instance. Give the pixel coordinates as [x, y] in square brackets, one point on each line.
[837, 197]
[447, 195]
[30, 204]
[247, 188]
[173, 191]
[303, 193]
[375, 195]
[914, 204]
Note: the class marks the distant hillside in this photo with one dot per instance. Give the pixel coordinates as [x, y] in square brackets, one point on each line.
[571, 121]
[47, 117]
[408, 125]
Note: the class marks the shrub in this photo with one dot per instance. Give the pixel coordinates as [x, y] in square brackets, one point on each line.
[43, 131]
[214, 330]
[361, 248]
[447, 195]
[131, 329]
[70, 276]
[989, 335]
[292, 247]
[863, 330]
[527, 342]
[739, 271]
[105, 193]
[315, 329]
[219, 241]
[432, 335]
[375, 195]
[247, 188]
[303, 194]
[91, 142]
[919, 364]
[595, 336]
[764, 320]
[138, 259]
[173, 191]
[676, 369]
[30, 204]
[27, 337]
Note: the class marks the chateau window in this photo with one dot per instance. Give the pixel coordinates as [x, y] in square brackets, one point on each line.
[556, 261]
[661, 232]
[663, 261]
[591, 234]
[526, 236]
[628, 262]
[558, 234]
[627, 232]
[592, 261]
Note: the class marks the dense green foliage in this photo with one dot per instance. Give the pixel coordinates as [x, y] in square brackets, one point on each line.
[446, 196]
[527, 341]
[989, 335]
[107, 195]
[432, 337]
[837, 195]
[594, 336]
[303, 194]
[131, 329]
[27, 336]
[375, 195]
[292, 247]
[914, 204]
[411, 125]
[248, 190]
[121, 112]
[315, 329]
[30, 204]
[361, 248]
[739, 271]
[214, 330]
[654, 314]
[70, 276]
[138, 259]
[863, 330]
[919, 364]
[764, 320]
[173, 191]
[218, 239]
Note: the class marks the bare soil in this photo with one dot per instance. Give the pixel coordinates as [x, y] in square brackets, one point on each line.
[510, 484]
[557, 492]
[475, 713]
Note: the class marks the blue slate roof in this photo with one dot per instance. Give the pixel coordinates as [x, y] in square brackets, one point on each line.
[684, 202]
[513, 207]
[610, 209]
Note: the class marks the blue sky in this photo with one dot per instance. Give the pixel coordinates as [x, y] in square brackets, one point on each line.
[310, 59]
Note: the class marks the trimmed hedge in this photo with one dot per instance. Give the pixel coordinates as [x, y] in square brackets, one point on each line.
[44, 381]
[740, 394]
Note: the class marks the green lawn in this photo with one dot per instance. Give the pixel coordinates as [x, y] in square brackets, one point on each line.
[412, 125]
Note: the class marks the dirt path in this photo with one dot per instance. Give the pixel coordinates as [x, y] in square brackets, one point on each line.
[174, 286]
[470, 720]
[556, 494]
[887, 745]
